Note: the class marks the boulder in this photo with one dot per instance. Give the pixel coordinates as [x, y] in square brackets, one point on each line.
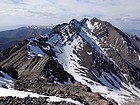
[12, 72]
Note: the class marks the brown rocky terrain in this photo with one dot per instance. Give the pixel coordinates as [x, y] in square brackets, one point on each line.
[34, 77]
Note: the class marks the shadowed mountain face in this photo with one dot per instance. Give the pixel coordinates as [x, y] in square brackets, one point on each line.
[92, 52]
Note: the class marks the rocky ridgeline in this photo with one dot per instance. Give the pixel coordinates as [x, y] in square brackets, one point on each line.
[29, 101]
[110, 59]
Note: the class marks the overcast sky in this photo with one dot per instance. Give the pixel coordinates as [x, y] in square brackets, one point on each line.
[121, 13]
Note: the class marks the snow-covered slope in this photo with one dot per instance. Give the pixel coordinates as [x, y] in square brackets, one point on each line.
[91, 51]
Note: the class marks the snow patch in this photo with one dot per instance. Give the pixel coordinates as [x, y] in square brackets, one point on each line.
[16, 93]
[69, 81]
[91, 27]
[23, 94]
[57, 99]
[6, 81]
[139, 57]
[134, 90]
[88, 38]
[89, 53]
[35, 50]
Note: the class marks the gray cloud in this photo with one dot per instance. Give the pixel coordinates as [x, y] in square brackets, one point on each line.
[58, 11]
[18, 2]
[37, 13]
[135, 19]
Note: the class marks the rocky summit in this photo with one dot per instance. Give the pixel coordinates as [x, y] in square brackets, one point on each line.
[87, 62]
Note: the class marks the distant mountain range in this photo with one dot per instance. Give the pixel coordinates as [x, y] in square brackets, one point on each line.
[133, 31]
[10, 38]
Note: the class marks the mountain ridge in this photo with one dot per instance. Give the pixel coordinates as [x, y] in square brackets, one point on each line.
[94, 52]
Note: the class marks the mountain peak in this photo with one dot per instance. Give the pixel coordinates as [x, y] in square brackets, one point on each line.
[92, 52]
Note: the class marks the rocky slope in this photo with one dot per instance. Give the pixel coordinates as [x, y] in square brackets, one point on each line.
[46, 77]
[92, 52]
